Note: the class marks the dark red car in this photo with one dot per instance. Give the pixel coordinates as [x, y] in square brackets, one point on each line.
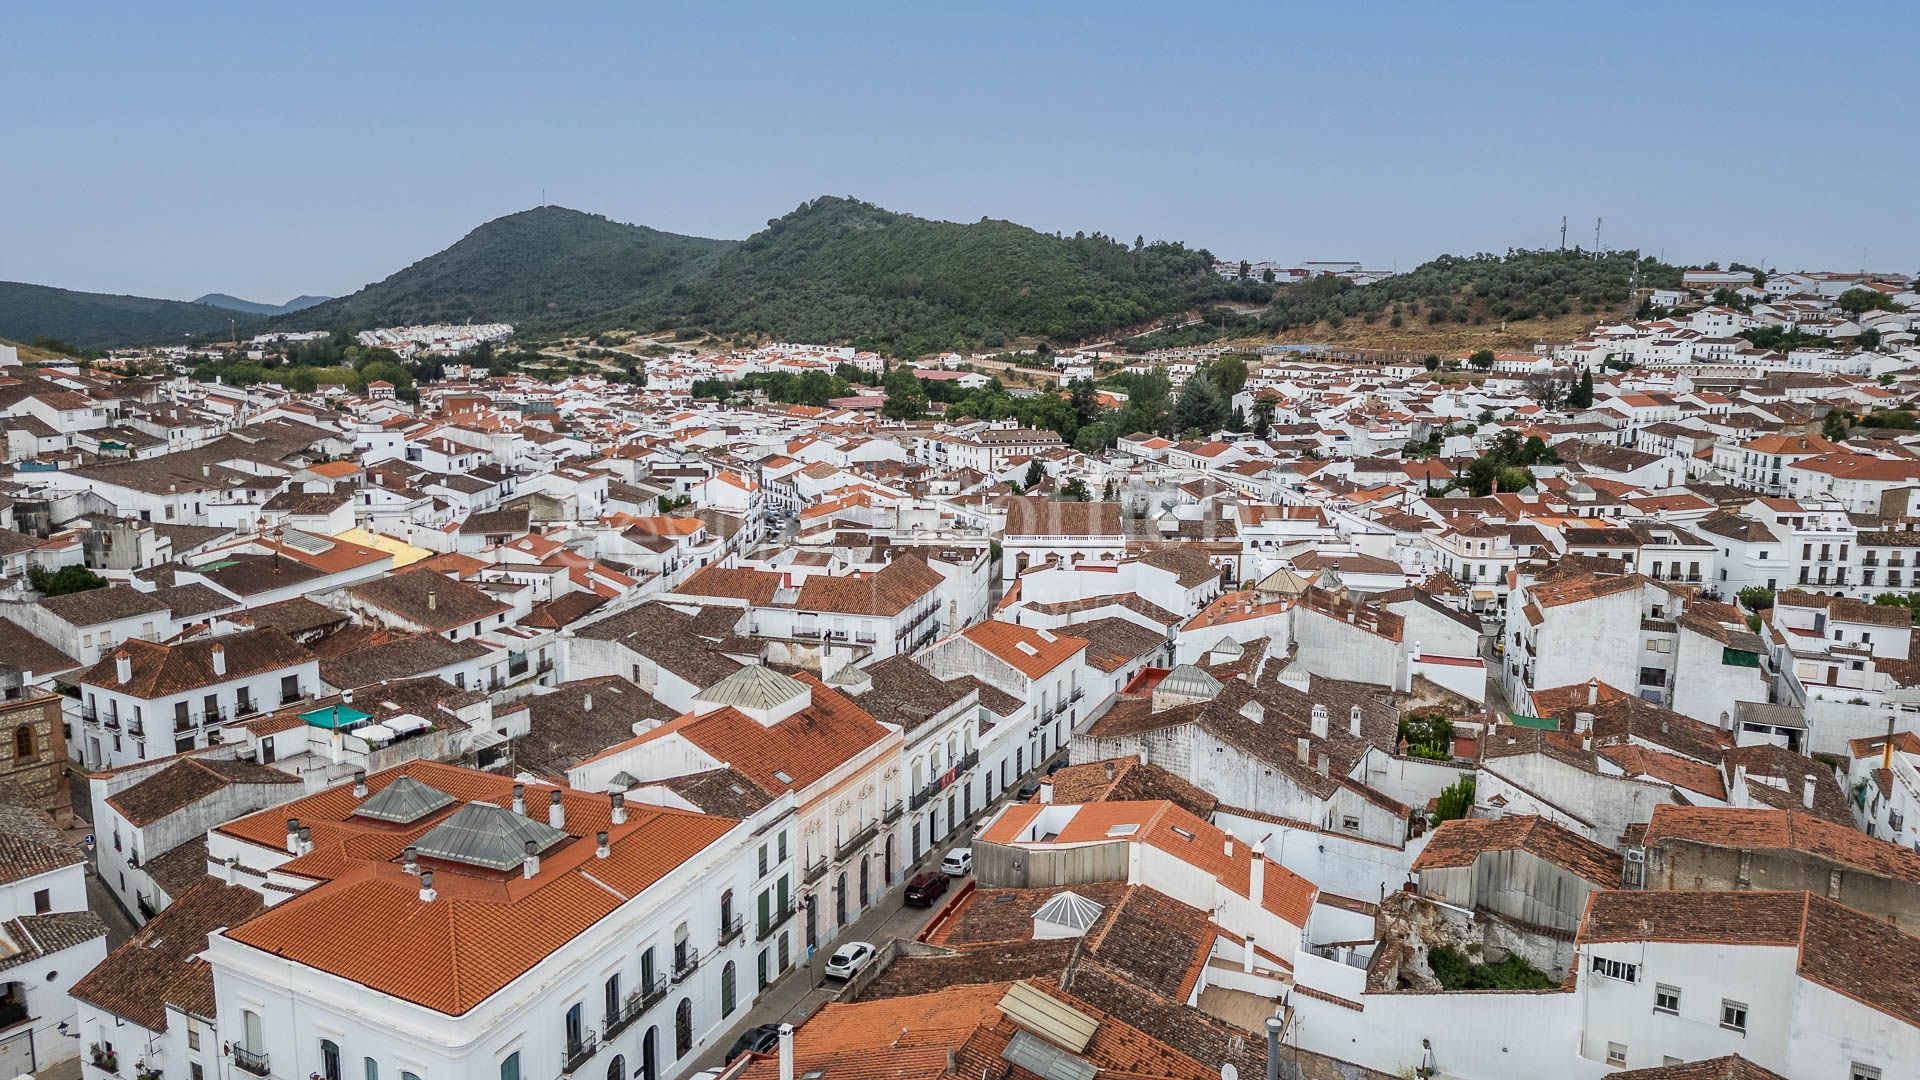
[922, 890]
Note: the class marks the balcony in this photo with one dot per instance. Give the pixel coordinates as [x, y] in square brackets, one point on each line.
[858, 840]
[653, 993]
[112, 721]
[684, 967]
[15, 1012]
[630, 1009]
[778, 919]
[815, 872]
[578, 1052]
[893, 811]
[292, 698]
[90, 715]
[732, 928]
[251, 1061]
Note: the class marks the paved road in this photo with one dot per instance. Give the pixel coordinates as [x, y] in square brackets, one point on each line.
[801, 993]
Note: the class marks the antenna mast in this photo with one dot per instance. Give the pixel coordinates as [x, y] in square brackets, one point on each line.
[1563, 232]
[1596, 234]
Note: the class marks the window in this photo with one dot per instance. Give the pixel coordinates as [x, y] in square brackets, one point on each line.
[1616, 1053]
[329, 1060]
[373, 1069]
[1733, 1016]
[1863, 1072]
[726, 989]
[613, 997]
[1666, 998]
[682, 1030]
[510, 1067]
[783, 845]
[1351, 824]
[23, 742]
[42, 901]
[763, 860]
[1616, 969]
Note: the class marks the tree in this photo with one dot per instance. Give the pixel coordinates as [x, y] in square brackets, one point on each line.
[1075, 490]
[1035, 474]
[1455, 801]
[1199, 407]
[301, 381]
[1755, 597]
[1229, 373]
[1246, 269]
[1867, 339]
[1266, 276]
[1085, 401]
[1262, 418]
[1549, 388]
[1483, 360]
[1111, 492]
[1835, 426]
[67, 579]
[906, 398]
[1432, 362]
[1581, 397]
[1860, 301]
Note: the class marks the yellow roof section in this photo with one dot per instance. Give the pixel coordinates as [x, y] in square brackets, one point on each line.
[404, 554]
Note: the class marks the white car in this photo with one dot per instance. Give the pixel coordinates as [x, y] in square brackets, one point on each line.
[958, 862]
[848, 959]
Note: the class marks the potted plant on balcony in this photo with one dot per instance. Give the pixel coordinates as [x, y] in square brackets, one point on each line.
[144, 1071]
[103, 1058]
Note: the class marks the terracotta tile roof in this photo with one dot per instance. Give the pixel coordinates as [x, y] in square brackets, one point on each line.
[187, 782]
[1731, 1067]
[483, 930]
[1783, 830]
[1172, 830]
[161, 670]
[1031, 651]
[1128, 779]
[1461, 843]
[30, 845]
[732, 583]
[431, 601]
[891, 590]
[159, 966]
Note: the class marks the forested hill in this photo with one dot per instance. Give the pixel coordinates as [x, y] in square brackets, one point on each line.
[547, 269]
[103, 320]
[843, 270]
[1518, 286]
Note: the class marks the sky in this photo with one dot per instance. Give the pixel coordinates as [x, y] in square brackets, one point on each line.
[268, 150]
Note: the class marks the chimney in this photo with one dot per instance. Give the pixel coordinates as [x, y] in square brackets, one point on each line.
[1303, 748]
[1353, 721]
[306, 839]
[601, 850]
[586, 703]
[1806, 792]
[123, 667]
[1593, 691]
[786, 1052]
[359, 783]
[1416, 652]
[1323, 763]
[1273, 1048]
[1109, 772]
[412, 857]
[531, 864]
[1886, 752]
[1246, 962]
[1257, 877]
[619, 814]
[1319, 721]
[227, 866]
[426, 887]
[1583, 721]
[520, 798]
[433, 599]
[556, 811]
[1226, 846]
[1046, 790]
[1739, 781]
[219, 653]
[293, 836]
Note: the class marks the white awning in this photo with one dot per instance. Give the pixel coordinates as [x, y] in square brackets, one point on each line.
[407, 722]
[373, 733]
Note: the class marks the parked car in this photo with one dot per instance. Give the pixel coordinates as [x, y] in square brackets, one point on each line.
[1027, 790]
[1056, 764]
[763, 1039]
[848, 959]
[958, 862]
[924, 888]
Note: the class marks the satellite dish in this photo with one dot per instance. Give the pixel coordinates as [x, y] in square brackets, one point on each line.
[1228, 1072]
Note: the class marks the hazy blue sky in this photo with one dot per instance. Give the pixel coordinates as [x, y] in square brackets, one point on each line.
[269, 149]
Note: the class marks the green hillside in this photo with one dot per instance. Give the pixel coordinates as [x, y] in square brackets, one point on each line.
[1518, 286]
[102, 320]
[843, 270]
[548, 269]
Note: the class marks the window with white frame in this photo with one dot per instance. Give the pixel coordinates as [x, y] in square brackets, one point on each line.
[1616, 1053]
[1864, 1072]
[1616, 969]
[1666, 998]
[1733, 1015]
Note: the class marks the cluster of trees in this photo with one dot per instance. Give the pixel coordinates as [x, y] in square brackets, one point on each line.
[1455, 801]
[810, 388]
[1214, 323]
[1781, 339]
[1909, 601]
[67, 579]
[1519, 285]
[1861, 301]
[1428, 735]
[1505, 464]
[353, 366]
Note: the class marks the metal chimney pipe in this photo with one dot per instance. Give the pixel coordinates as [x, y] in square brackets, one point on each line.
[556, 811]
[531, 864]
[427, 892]
[520, 798]
[1273, 1048]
